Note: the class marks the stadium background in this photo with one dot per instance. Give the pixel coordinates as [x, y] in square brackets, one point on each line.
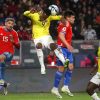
[24, 71]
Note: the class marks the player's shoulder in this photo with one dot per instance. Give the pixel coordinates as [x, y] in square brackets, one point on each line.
[61, 25]
[15, 32]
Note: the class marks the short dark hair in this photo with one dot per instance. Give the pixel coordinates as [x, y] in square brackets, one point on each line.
[47, 11]
[69, 13]
[10, 19]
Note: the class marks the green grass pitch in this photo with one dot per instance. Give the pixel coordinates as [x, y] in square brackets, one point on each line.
[43, 96]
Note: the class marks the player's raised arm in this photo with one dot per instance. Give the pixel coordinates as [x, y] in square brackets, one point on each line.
[34, 16]
[56, 17]
[32, 12]
[29, 14]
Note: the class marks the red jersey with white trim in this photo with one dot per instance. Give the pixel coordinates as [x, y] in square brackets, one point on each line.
[67, 31]
[6, 44]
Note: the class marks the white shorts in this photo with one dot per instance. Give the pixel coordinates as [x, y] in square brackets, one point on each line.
[96, 79]
[45, 40]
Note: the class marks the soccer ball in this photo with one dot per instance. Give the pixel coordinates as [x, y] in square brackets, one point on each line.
[54, 9]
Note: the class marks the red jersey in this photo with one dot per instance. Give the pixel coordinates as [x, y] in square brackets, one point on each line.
[5, 40]
[67, 31]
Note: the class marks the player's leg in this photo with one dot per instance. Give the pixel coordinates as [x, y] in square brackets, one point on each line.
[59, 54]
[40, 55]
[91, 90]
[52, 46]
[57, 79]
[68, 72]
[6, 57]
[93, 85]
[2, 69]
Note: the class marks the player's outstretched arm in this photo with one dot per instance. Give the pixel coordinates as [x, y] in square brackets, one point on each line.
[33, 10]
[55, 17]
[27, 13]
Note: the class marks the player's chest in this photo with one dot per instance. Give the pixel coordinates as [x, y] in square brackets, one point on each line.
[5, 36]
[67, 30]
[45, 23]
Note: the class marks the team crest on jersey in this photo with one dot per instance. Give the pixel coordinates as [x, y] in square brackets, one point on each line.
[64, 29]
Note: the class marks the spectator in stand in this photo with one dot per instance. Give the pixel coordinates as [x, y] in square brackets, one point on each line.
[51, 58]
[11, 15]
[90, 33]
[12, 7]
[20, 31]
[2, 18]
[98, 18]
[89, 17]
[94, 11]
[18, 24]
[83, 28]
[29, 25]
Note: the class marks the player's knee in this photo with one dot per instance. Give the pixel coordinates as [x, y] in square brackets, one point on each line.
[89, 90]
[71, 67]
[2, 57]
[53, 46]
[61, 69]
[39, 46]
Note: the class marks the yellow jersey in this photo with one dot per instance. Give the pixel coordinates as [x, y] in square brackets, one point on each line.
[40, 28]
[99, 59]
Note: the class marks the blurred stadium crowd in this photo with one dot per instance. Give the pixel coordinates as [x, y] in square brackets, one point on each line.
[86, 27]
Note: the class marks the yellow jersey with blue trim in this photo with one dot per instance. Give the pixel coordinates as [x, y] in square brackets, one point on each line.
[99, 59]
[40, 28]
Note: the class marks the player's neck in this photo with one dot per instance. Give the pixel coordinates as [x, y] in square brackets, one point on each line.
[6, 29]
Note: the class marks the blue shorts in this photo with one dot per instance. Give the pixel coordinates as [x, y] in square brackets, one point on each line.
[67, 55]
[8, 56]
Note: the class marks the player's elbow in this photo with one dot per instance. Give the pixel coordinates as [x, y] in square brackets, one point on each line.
[61, 36]
[17, 45]
[26, 13]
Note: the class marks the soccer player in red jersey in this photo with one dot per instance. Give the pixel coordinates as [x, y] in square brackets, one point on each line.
[64, 43]
[8, 39]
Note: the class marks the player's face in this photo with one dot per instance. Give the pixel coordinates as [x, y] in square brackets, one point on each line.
[71, 19]
[9, 24]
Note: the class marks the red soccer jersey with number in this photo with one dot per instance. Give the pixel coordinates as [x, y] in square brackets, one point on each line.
[5, 40]
[67, 31]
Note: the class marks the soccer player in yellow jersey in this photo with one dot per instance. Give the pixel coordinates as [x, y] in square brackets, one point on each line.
[95, 81]
[40, 33]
